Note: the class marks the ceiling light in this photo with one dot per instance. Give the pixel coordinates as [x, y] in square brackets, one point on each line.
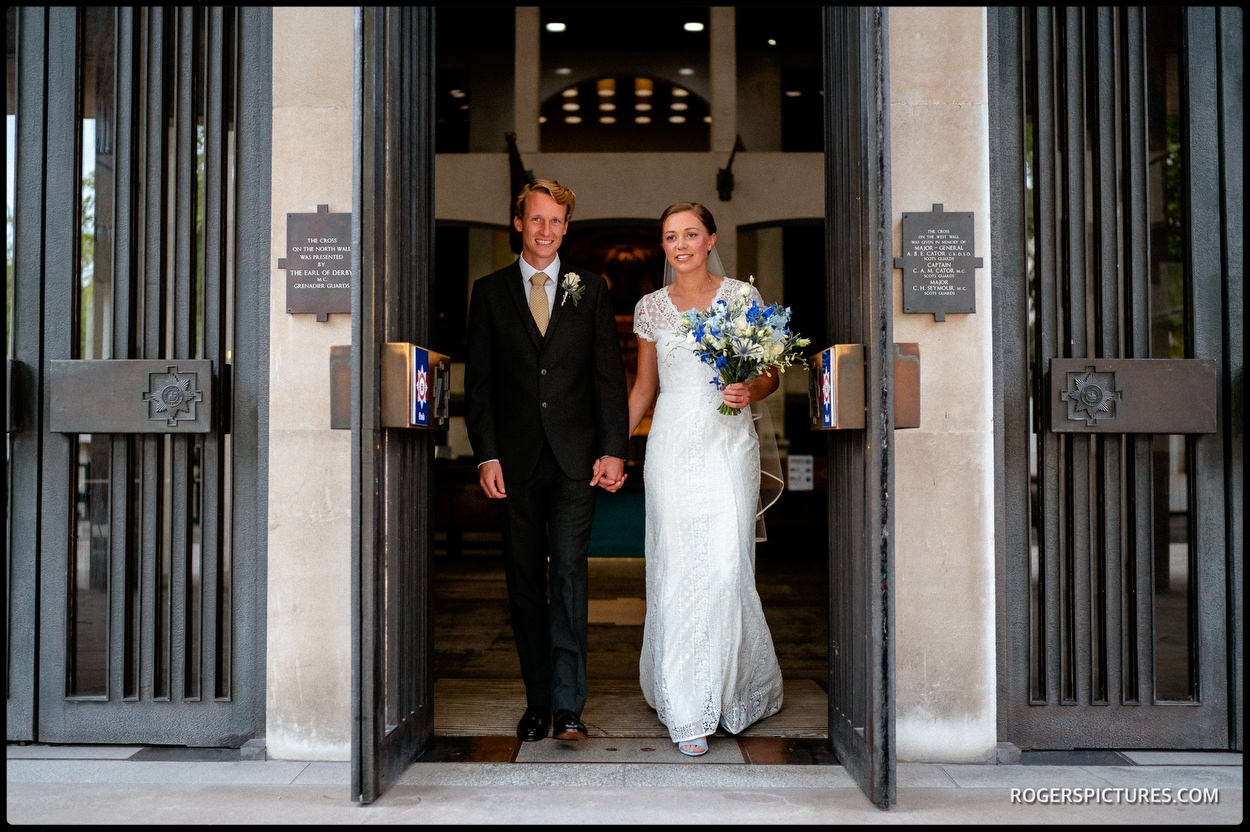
[542, 119]
[606, 86]
[707, 119]
[679, 105]
[457, 93]
[643, 87]
[685, 70]
[793, 93]
[571, 106]
[642, 106]
[607, 105]
[772, 41]
[563, 70]
[642, 119]
[677, 119]
[607, 119]
[680, 93]
[556, 27]
[572, 119]
[571, 92]
[693, 26]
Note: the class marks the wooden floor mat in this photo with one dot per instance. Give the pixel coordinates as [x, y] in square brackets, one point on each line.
[491, 707]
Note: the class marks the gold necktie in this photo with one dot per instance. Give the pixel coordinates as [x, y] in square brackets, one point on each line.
[538, 301]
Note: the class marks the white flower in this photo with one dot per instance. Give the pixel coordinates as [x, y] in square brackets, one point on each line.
[572, 286]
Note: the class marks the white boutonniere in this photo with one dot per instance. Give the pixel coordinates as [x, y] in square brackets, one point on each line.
[572, 286]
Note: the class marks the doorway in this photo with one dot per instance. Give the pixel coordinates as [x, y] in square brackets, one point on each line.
[477, 691]
[393, 679]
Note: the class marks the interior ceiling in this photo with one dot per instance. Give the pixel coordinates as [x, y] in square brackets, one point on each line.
[637, 28]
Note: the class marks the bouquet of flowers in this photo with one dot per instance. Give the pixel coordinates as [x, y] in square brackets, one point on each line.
[740, 340]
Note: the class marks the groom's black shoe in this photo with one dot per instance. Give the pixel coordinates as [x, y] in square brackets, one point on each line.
[533, 726]
[568, 726]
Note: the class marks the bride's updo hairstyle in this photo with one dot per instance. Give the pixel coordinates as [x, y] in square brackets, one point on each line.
[700, 211]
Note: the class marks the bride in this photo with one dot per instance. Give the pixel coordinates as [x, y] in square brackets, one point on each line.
[707, 654]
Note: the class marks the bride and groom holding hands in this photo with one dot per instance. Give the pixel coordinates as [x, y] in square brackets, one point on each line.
[549, 419]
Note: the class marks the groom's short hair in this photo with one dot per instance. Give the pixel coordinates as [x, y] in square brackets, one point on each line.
[562, 195]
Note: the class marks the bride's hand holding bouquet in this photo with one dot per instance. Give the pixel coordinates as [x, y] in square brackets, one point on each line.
[741, 341]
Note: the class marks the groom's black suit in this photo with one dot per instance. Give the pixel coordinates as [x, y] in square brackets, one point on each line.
[546, 407]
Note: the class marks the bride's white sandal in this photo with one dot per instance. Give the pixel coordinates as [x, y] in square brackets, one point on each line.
[693, 748]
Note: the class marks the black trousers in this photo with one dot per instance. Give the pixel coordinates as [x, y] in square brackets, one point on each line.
[546, 520]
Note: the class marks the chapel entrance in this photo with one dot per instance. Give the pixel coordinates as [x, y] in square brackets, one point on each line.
[395, 472]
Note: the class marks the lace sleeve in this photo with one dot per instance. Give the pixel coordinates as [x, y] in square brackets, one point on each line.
[644, 320]
[759, 300]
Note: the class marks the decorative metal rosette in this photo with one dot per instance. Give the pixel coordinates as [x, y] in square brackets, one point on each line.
[171, 396]
[1091, 396]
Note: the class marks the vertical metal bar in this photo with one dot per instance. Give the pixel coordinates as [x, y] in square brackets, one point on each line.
[1047, 277]
[402, 291]
[182, 317]
[1081, 498]
[881, 491]
[252, 108]
[121, 473]
[396, 315]
[1205, 282]
[215, 277]
[846, 528]
[1135, 582]
[1106, 545]
[25, 505]
[58, 303]
[1231, 116]
[368, 30]
[421, 106]
[1010, 292]
[154, 634]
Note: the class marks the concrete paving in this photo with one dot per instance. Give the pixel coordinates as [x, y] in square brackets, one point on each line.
[95, 785]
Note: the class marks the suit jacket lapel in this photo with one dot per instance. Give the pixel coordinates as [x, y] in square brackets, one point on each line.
[557, 309]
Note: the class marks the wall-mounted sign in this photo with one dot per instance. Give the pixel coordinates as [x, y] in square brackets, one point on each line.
[318, 263]
[799, 472]
[938, 263]
[836, 388]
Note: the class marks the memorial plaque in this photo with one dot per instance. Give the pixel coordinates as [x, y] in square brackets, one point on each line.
[318, 263]
[938, 263]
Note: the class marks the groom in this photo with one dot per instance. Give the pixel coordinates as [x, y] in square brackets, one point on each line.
[545, 405]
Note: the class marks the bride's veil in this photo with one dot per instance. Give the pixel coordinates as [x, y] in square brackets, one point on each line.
[772, 481]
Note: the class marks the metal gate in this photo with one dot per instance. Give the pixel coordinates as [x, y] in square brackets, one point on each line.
[1117, 263]
[392, 470]
[861, 468]
[135, 511]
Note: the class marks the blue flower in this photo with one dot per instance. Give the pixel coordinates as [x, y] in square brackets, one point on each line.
[742, 341]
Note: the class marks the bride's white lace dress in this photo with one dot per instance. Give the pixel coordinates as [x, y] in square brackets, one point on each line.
[707, 652]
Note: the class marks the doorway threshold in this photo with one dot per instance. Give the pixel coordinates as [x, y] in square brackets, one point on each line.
[722, 749]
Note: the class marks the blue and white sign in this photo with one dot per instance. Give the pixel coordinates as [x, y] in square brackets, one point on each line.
[420, 387]
[828, 401]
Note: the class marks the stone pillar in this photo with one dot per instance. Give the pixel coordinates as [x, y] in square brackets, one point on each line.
[944, 471]
[526, 77]
[308, 650]
[723, 78]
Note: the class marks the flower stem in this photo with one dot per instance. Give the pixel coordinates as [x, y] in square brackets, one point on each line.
[729, 411]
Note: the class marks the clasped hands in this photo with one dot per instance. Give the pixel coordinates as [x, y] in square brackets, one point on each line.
[608, 473]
